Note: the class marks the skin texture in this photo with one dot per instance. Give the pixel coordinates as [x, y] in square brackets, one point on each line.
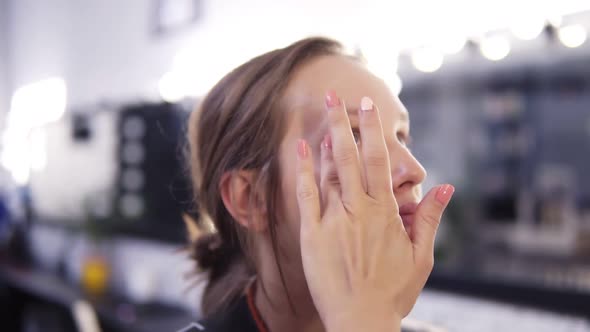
[361, 260]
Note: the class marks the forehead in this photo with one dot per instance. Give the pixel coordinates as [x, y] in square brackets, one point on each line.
[350, 79]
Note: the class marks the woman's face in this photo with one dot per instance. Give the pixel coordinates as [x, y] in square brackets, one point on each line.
[306, 118]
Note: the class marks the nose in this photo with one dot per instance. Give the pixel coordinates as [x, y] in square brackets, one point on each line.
[407, 172]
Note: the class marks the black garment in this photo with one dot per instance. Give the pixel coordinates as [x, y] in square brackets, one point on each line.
[236, 318]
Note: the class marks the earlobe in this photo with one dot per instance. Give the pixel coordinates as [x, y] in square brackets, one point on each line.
[241, 201]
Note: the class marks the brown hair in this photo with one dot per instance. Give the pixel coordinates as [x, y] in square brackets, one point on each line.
[239, 125]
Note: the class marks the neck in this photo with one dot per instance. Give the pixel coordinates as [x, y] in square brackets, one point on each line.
[277, 313]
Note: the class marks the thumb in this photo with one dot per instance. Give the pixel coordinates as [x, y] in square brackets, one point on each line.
[428, 215]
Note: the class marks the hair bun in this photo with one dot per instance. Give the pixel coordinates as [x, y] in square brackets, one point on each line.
[210, 252]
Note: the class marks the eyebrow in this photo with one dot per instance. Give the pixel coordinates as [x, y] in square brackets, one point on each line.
[405, 116]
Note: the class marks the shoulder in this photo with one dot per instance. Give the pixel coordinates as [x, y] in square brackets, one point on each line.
[236, 318]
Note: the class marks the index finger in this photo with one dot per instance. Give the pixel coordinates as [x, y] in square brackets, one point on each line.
[375, 154]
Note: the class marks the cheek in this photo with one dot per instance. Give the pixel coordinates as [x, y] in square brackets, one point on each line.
[289, 220]
[289, 193]
[288, 231]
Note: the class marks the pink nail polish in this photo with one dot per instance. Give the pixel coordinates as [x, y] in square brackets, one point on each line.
[332, 99]
[302, 149]
[366, 104]
[444, 194]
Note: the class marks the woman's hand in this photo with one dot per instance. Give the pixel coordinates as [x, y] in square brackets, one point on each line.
[363, 270]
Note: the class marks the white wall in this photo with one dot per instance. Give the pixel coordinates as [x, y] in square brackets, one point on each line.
[105, 49]
[4, 74]
[101, 48]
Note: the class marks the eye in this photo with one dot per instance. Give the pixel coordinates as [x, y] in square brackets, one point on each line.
[357, 135]
[404, 139]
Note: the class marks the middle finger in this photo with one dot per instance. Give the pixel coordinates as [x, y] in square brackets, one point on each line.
[344, 150]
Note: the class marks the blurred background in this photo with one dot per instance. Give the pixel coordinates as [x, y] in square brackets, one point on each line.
[94, 97]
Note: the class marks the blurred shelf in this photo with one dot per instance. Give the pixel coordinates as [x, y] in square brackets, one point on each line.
[114, 312]
[513, 291]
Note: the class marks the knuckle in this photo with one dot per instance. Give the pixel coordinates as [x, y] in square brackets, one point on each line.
[427, 264]
[330, 180]
[306, 193]
[431, 220]
[346, 156]
[376, 159]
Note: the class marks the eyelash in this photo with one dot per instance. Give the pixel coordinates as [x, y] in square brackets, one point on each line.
[404, 139]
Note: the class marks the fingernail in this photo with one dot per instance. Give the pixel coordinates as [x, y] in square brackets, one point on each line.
[444, 194]
[366, 104]
[302, 149]
[332, 99]
[327, 142]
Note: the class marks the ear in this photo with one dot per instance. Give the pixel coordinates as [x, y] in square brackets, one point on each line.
[246, 206]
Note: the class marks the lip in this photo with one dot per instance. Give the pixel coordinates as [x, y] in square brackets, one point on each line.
[408, 208]
[408, 212]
